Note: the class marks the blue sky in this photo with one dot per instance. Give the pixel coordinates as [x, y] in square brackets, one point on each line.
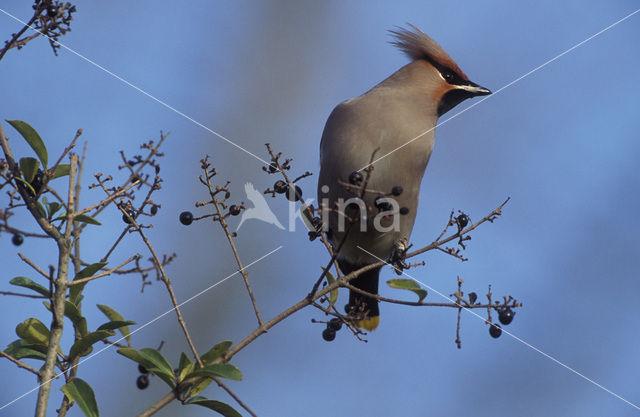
[562, 143]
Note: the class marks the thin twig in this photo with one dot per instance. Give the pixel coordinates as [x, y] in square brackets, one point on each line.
[164, 279]
[103, 273]
[73, 368]
[58, 298]
[19, 363]
[221, 219]
[108, 199]
[15, 39]
[380, 298]
[234, 396]
[34, 266]
[153, 151]
[323, 235]
[490, 217]
[19, 294]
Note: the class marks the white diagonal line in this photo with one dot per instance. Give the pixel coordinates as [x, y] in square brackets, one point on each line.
[145, 325]
[95, 64]
[505, 86]
[509, 333]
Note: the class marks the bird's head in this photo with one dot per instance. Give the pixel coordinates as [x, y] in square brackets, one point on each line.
[446, 82]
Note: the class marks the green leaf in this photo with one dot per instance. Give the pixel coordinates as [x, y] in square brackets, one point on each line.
[185, 367]
[333, 294]
[90, 271]
[213, 354]
[21, 349]
[76, 290]
[153, 361]
[41, 209]
[114, 325]
[26, 184]
[33, 331]
[32, 285]
[408, 284]
[83, 218]
[217, 406]
[33, 139]
[198, 387]
[224, 370]
[29, 167]
[73, 314]
[216, 351]
[81, 393]
[114, 315]
[52, 208]
[82, 347]
[61, 171]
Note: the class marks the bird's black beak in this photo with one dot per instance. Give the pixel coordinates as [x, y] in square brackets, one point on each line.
[474, 89]
[458, 94]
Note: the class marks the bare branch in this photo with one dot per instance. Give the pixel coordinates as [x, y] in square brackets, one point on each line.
[103, 273]
[19, 363]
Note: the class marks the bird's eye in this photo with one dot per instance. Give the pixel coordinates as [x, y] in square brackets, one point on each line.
[448, 76]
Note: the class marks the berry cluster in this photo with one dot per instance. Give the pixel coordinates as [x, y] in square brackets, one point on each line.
[382, 202]
[292, 194]
[333, 325]
[505, 316]
[143, 380]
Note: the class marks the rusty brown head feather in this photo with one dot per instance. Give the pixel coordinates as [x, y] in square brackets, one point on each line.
[417, 45]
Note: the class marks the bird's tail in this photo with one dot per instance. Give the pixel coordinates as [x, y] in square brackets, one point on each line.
[363, 307]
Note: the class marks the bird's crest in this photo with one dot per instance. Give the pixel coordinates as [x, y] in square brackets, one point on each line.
[417, 45]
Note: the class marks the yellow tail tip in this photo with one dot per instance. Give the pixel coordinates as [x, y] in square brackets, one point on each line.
[370, 323]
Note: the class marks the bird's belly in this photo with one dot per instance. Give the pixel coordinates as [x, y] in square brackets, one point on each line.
[373, 237]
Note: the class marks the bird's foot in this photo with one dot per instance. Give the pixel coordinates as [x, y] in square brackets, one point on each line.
[398, 256]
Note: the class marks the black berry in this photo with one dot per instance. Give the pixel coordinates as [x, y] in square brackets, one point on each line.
[382, 203]
[143, 381]
[397, 190]
[335, 324]
[404, 210]
[294, 194]
[186, 218]
[17, 239]
[142, 369]
[280, 187]
[506, 316]
[462, 220]
[495, 331]
[273, 167]
[131, 214]
[234, 210]
[328, 334]
[347, 308]
[356, 178]
[154, 210]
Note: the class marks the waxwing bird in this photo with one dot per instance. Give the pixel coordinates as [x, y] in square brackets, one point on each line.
[396, 121]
